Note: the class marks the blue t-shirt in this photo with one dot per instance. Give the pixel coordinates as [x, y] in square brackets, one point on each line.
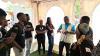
[66, 26]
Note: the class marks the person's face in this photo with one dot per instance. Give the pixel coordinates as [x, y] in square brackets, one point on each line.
[66, 20]
[41, 22]
[27, 18]
[5, 22]
[23, 18]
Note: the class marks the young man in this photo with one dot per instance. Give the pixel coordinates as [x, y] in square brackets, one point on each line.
[67, 30]
[4, 51]
[40, 30]
[28, 36]
[18, 30]
[85, 34]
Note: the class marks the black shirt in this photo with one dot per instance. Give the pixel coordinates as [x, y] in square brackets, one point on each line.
[28, 34]
[3, 32]
[48, 27]
[40, 28]
[19, 30]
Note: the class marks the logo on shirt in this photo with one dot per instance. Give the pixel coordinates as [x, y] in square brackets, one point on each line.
[41, 28]
[0, 35]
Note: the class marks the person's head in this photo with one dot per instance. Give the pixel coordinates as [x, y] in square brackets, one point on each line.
[84, 28]
[27, 17]
[21, 17]
[66, 19]
[4, 22]
[2, 15]
[48, 20]
[41, 22]
[85, 19]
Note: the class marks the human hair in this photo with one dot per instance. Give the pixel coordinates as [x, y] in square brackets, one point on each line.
[66, 17]
[19, 14]
[85, 19]
[27, 16]
[48, 20]
[2, 13]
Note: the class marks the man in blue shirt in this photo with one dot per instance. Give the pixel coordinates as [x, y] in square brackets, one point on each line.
[67, 30]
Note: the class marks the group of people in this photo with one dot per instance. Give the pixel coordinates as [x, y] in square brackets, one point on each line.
[20, 36]
[84, 36]
[40, 36]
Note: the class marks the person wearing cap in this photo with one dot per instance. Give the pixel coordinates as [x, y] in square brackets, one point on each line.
[40, 30]
[28, 35]
[85, 33]
[67, 30]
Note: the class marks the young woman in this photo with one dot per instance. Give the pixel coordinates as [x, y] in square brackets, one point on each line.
[50, 33]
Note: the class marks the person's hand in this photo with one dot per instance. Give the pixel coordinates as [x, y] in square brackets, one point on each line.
[2, 45]
[64, 31]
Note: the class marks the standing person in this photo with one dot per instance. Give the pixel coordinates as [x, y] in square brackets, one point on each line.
[84, 35]
[50, 32]
[67, 30]
[4, 51]
[28, 36]
[40, 30]
[4, 32]
[19, 29]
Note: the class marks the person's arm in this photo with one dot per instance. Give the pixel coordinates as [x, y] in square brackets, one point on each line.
[37, 30]
[49, 27]
[90, 35]
[11, 37]
[77, 33]
[41, 32]
[31, 28]
[59, 28]
[72, 30]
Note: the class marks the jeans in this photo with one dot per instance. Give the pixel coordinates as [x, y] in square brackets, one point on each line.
[51, 43]
[61, 46]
